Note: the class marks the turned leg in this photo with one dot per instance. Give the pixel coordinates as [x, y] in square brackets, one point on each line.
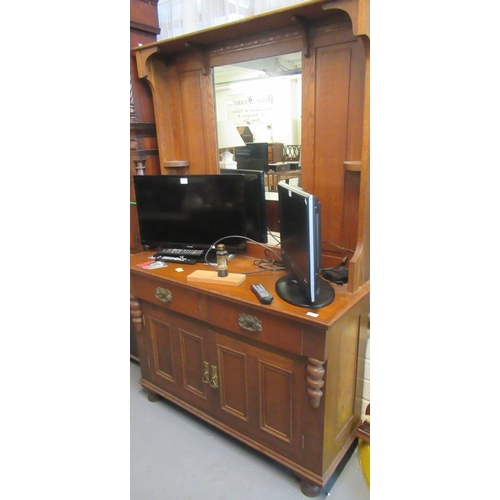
[309, 489]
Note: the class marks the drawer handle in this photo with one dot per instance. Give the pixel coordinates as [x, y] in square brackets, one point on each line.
[214, 382]
[206, 373]
[250, 323]
[163, 294]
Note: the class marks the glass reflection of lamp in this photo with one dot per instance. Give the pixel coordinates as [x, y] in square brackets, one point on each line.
[228, 137]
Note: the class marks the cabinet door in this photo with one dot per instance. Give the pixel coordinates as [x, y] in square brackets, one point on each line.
[178, 355]
[260, 395]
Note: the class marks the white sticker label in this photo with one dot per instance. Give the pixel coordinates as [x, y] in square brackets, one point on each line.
[314, 315]
[184, 180]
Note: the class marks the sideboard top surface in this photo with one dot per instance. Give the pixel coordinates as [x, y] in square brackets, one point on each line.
[323, 317]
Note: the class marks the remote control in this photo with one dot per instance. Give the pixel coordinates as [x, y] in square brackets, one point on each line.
[262, 294]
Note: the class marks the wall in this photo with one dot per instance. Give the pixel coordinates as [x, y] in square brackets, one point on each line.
[366, 378]
[178, 17]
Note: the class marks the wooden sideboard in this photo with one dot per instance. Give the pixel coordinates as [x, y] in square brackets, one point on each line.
[284, 382]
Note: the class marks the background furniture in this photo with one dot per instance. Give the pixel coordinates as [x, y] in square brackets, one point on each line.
[275, 152]
[283, 175]
[144, 28]
[143, 144]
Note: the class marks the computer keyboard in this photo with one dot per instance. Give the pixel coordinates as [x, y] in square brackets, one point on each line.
[180, 259]
[180, 252]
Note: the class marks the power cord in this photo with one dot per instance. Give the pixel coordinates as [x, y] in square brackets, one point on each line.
[342, 264]
[337, 246]
[267, 264]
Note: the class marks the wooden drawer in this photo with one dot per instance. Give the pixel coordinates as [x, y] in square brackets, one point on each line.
[164, 293]
[270, 328]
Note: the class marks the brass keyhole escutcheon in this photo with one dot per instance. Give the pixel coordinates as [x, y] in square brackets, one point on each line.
[163, 294]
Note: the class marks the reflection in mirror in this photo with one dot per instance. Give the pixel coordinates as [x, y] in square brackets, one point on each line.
[263, 99]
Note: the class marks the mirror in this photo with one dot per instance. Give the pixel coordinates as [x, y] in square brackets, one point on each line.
[263, 99]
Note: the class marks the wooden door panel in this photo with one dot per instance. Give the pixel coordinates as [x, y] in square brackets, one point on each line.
[157, 352]
[276, 400]
[176, 351]
[193, 354]
[261, 394]
[163, 356]
[233, 386]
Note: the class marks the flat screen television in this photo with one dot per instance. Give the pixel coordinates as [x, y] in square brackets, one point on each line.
[300, 231]
[190, 211]
[252, 156]
[255, 202]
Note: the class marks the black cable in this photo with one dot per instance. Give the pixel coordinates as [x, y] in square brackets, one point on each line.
[269, 260]
[274, 237]
[343, 263]
[338, 246]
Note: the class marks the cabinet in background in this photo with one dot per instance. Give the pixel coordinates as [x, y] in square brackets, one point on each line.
[275, 152]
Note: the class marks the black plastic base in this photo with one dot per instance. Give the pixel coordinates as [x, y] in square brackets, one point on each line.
[289, 290]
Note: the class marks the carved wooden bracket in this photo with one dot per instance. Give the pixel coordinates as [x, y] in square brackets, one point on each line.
[142, 57]
[305, 33]
[315, 381]
[358, 11]
[136, 313]
[202, 55]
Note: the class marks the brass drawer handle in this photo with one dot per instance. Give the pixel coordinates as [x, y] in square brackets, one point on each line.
[250, 323]
[206, 373]
[163, 294]
[214, 382]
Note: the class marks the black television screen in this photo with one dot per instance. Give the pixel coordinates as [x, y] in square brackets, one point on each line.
[300, 231]
[189, 211]
[252, 156]
[255, 202]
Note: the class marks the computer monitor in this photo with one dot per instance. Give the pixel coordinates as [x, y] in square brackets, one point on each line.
[252, 156]
[190, 211]
[255, 202]
[300, 231]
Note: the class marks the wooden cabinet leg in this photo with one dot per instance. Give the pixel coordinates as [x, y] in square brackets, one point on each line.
[153, 397]
[309, 489]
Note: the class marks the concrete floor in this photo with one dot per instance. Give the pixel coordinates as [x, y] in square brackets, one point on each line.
[176, 456]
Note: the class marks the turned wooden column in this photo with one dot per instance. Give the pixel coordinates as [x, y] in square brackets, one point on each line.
[136, 313]
[315, 381]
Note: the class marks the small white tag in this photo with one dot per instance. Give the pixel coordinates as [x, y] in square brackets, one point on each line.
[314, 315]
[179, 269]
[184, 180]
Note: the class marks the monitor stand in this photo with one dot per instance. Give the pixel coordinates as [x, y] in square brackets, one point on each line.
[289, 290]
